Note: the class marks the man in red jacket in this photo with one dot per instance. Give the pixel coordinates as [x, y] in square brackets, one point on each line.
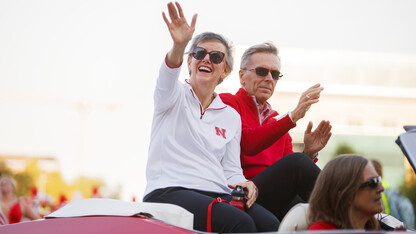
[282, 181]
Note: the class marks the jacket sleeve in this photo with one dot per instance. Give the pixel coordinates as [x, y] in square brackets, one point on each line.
[288, 146]
[167, 89]
[256, 139]
[231, 161]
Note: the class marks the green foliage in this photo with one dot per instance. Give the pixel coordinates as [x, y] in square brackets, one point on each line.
[344, 148]
[4, 170]
[24, 183]
[23, 180]
[52, 183]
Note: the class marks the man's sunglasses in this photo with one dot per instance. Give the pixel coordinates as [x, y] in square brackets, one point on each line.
[372, 183]
[215, 56]
[263, 72]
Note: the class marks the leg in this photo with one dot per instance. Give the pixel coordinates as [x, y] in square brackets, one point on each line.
[287, 182]
[225, 218]
[265, 220]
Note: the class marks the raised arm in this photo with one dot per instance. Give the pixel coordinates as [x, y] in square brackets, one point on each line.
[309, 97]
[180, 31]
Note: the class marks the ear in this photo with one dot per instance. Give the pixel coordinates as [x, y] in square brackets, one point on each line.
[225, 73]
[242, 78]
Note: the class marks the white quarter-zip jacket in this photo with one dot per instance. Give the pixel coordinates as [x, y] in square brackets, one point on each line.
[190, 147]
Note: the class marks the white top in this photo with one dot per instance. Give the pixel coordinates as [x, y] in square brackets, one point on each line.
[191, 148]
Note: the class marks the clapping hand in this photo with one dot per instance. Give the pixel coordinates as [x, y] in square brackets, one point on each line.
[316, 140]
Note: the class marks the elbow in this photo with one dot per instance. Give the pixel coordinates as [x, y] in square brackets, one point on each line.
[246, 151]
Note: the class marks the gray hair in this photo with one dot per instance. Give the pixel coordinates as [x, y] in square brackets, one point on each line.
[210, 36]
[266, 47]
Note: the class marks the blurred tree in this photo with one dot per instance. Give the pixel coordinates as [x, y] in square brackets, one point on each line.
[24, 182]
[86, 185]
[4, 170]
[343, 148]
[51, 183]
[32, 169]
[57, 186]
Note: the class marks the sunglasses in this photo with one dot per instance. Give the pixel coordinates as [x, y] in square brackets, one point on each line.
[215, 56]
[263, 72]
[372, 183]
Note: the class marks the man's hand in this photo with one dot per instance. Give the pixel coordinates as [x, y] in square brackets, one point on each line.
[251, 191]
[316, 140]
[309, 97]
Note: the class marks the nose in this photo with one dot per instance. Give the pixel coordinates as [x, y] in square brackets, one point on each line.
[269, 76]
[380, 188]
[206, 58]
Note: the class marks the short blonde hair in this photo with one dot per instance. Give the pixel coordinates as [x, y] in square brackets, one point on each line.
[12, 181]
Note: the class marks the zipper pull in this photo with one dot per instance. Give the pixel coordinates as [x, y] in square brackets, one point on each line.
[201, 116]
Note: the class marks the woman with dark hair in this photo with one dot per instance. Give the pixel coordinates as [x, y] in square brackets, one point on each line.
[347, 195]
[194, 153]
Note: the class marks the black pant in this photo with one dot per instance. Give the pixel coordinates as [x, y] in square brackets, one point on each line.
[287, 182]
[224, 218]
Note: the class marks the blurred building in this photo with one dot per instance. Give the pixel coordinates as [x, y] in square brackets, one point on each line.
[18, 163]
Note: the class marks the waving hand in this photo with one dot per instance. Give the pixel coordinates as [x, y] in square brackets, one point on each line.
[180, 31]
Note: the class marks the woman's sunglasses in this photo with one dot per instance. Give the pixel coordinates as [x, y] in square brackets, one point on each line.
[372, 183]
[263, 72]
[215, 56]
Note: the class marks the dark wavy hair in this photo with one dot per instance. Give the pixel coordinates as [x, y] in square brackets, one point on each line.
[335, 190]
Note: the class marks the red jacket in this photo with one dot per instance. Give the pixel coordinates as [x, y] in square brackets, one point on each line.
[322, 226]
[261, 145]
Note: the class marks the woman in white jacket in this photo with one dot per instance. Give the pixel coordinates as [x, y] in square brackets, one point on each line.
[194, 153]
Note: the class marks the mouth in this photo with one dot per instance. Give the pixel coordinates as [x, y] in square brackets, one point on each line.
[204, 69]
[267, 88]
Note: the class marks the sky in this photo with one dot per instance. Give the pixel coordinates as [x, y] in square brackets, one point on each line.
[77, 76]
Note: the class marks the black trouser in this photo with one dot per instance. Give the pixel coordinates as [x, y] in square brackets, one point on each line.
[287, 182]
[224, 218]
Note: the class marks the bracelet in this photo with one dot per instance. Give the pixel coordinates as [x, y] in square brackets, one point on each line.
[316, 157]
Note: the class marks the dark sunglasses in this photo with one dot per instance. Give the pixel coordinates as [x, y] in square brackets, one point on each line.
[215, 56]
[263, 72]
[372, 183]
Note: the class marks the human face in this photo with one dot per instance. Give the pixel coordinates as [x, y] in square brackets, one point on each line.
[6, 186]
[260, 87]
[205, 70]
[367, 201]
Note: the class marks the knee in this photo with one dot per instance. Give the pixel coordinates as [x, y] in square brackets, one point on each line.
[269, 224]
[236, 223]
[300, 159]
[242, 223]
[299, 156]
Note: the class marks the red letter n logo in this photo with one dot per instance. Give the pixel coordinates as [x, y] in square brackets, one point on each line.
[220, 132]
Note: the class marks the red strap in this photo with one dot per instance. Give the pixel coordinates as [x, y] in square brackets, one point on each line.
[209, 212]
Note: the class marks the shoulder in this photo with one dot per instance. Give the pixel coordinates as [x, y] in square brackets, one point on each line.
[228, 98]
